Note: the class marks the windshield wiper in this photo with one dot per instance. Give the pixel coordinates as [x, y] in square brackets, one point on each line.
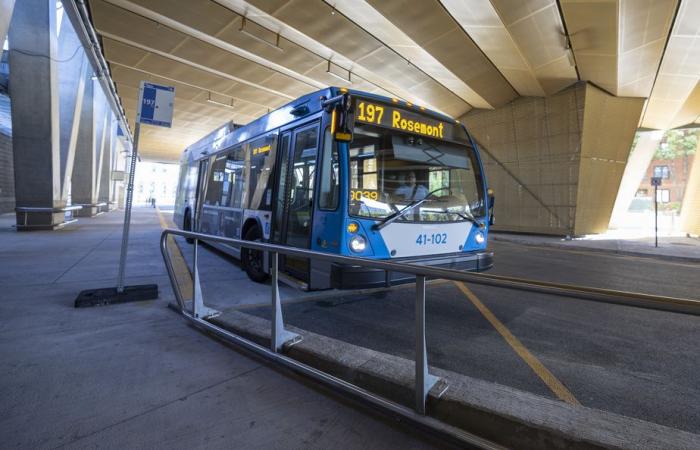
[388, 219]
[466, 215]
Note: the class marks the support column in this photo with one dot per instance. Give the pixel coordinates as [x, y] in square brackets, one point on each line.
[35, 128]
[90, 151]
[107, 150]
[72, 78]
[690, 208]
[637, 165]
[6, 8]
[82, 179]
[555, 163]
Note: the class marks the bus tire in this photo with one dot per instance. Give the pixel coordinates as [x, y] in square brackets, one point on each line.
[253, 260]
[187, 226]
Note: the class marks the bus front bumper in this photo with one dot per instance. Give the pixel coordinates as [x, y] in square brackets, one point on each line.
[345, 276]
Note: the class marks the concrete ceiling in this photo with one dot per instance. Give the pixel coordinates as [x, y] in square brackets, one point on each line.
[236, 59]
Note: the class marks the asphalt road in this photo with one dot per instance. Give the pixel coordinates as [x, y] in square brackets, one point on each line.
[636, 362]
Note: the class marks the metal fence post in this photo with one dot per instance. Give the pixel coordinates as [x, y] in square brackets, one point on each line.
[198, 308]
[278, 335]
[424, 381]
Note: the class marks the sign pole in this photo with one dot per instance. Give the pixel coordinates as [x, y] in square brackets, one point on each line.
[155, 107]
[656, 215]
[127, 209]
[656, 182]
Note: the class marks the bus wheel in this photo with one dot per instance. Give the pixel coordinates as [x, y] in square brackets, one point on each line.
[188, 227]
[252, 260]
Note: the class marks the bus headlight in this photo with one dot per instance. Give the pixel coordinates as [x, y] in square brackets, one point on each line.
[358, 244]
[479, 238]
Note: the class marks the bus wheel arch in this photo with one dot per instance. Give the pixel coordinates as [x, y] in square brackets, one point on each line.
[252, 261]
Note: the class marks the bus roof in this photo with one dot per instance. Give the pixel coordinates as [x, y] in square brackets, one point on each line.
[231, 134]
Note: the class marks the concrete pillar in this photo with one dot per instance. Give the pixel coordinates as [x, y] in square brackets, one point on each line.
[6, 8]
[83, 176]
[101, 125]
[107, 149]
[690, 208]
[609, 125]
[72, 78]
[637, 165]
[35, 128]
[117, 168]
[555, 163]
[92, 153]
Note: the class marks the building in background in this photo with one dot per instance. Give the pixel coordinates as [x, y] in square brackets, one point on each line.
[155, 180]
[672, 162]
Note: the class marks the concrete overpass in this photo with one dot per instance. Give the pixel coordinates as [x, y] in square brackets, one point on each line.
[563, 343]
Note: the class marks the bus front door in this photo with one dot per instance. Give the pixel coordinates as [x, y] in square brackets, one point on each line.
[200, 193]
[293, 210]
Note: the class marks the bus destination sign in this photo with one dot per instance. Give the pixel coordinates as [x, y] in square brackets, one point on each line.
[387, 116]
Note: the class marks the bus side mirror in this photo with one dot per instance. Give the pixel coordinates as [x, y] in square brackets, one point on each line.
[492, 199]
[341, 117]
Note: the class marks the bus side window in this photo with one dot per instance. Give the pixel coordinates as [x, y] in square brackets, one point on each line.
[235, 163]
[330, 183]
[216, 182]
[262, 161]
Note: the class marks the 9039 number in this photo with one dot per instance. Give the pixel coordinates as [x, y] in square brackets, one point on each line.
[435, 238]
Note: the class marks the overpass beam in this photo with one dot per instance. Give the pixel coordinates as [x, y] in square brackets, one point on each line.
[690, 208]
[556, 163]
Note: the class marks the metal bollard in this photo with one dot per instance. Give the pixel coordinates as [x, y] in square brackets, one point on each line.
[278, 335]
[424, 381]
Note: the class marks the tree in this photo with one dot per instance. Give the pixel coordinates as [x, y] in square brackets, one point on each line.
[677, 143]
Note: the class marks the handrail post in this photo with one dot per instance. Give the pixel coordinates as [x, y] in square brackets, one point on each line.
[169, 268]
[424, 380]
[278, 335]
[198, 308]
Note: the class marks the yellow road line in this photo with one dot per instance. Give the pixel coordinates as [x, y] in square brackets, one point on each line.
[182, 272]
[549, 379]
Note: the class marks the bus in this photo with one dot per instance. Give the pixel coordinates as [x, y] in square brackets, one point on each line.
[345, 172]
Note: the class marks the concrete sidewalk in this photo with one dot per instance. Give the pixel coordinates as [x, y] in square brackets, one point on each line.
[677, 248]
[136, 376]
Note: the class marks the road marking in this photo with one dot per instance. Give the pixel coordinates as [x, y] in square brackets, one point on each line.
[545, 375]
[183, 276]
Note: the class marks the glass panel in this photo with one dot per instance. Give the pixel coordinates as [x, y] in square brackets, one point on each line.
[216, 182]
[280, 212]
[330, 178]
[262, 160]
[235, 168]
[389, 170]
[301, 187]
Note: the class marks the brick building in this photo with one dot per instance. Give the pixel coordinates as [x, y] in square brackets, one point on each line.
[674, 174]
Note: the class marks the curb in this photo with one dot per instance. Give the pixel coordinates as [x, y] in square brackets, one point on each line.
[688, 259]
[498, 413]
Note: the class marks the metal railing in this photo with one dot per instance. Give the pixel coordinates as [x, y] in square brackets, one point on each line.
[424, 380]
[280, 337]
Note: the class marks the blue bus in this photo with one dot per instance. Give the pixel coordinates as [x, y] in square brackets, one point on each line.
[345, 172]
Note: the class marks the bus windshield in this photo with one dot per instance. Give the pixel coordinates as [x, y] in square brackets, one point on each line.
[390, 170]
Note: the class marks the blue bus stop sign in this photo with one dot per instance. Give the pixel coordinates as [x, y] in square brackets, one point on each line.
[155, 104]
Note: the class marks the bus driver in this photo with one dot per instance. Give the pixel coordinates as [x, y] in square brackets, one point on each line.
[409, 190]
